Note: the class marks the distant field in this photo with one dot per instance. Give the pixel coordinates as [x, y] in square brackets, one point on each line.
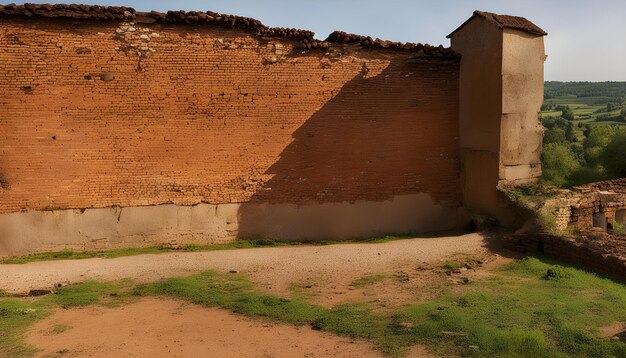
[585, 104]
[585, 124]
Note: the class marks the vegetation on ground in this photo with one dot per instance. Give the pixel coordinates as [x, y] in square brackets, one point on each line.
[18, 314]
[368, 280]
[451, 265]
[237, 244]
[529, 308]
[585, 132]
[534, 204]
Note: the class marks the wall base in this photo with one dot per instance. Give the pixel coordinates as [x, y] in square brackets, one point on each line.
[106, 228]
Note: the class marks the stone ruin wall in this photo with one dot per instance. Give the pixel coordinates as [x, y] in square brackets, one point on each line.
[586, 221]
[599, 205]
[119, 128]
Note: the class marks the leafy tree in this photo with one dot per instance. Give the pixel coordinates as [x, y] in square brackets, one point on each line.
[579, 151]
[592, 158]
[613, 156]
[586, 175]
[548, 122]
[554, 135]
[610, 107]
[552, 122]
[568, 114]
[559, 163]
[598, 135]
[570, 135]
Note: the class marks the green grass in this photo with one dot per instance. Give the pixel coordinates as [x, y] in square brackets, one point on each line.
[530, 308]
[368, 280]
[92, 292]
[18, 314]
[516, 313]
[109, 254]
[520, 313]
[451, 265]
[237, 244]
[234, 292]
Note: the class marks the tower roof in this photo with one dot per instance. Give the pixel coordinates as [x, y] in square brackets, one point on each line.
[505, 21]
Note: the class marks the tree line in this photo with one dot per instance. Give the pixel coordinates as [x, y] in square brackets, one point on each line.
[599, 156]
[585, 89]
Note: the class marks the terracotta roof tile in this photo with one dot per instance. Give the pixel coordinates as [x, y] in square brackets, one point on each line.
[506, 21]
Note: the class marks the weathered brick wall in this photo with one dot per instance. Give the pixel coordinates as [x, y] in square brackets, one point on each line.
[601, 254]
[98, 114]
[576, 209]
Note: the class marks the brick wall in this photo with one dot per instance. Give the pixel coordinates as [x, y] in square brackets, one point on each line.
[98, 114]
[602, 255]
[576, 209]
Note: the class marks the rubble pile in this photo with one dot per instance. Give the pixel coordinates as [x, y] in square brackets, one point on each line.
[367, 41]
[74, 11]
[304, 39]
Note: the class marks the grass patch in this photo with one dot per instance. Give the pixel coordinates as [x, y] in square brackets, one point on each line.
[524, 312]
[302, 291]
[58, 329]
[617, 228]
[110, 254]
[92, 292]
[237, 293]
[529, 308]
[234, 292]
[18, 314]
[368, 280]
[237, 244]
[451, 265]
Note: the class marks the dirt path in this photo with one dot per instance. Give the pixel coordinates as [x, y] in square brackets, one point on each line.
[403, 271]
[274, 269]
[155, 327]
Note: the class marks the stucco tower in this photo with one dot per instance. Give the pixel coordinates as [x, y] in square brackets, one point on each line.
[501, 91]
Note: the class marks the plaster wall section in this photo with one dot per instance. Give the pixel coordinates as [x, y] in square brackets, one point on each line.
[522, 95]
[480, 112]
[172, 225]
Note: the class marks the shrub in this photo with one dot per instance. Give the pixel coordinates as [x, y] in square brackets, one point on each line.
[555, 273]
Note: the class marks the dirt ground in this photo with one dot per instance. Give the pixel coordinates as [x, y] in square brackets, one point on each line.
[274, 269]
[155, 327]
[386, 275]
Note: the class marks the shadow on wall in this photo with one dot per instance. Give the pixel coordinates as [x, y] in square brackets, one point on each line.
[380, 157]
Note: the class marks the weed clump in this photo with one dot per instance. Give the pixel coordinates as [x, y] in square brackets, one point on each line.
[556, 273]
